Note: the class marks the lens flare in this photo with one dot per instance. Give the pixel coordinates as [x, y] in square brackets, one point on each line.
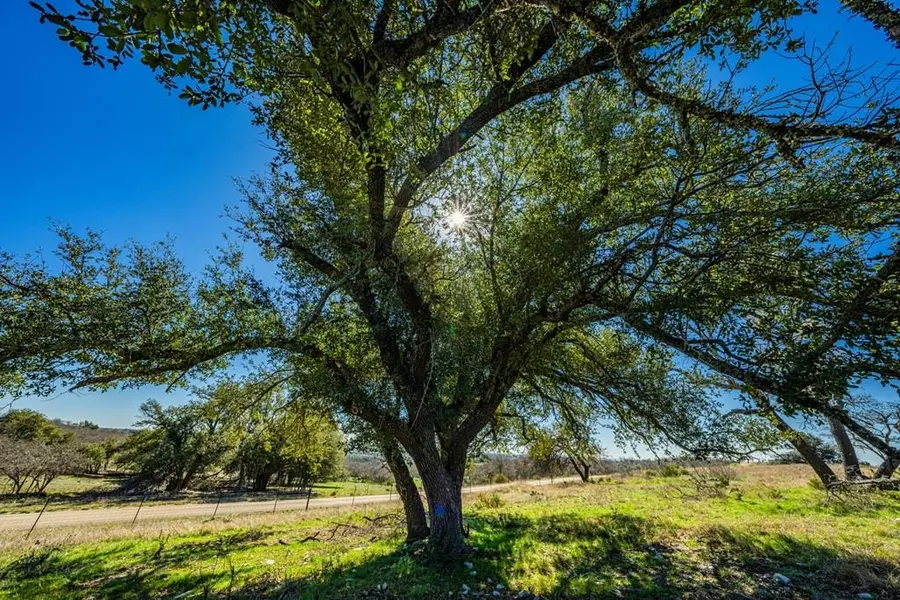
[457, 219]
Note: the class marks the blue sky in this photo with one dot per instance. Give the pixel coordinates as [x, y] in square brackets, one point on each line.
[115, 152]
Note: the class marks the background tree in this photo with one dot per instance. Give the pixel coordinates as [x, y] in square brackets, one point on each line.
[179, 445]
[290, 441]
[32, 462]
[31, 426]
[93, 458]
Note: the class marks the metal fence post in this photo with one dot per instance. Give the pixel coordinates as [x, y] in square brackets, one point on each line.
[134, 520]
[33, 525]
[276, 501]
[218, 501]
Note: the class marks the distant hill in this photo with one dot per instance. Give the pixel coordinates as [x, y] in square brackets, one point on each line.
[89, 433]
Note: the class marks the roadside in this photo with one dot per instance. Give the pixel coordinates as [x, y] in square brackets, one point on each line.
[156, 512]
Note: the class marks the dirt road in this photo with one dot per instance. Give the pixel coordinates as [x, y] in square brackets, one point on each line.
[103, 516]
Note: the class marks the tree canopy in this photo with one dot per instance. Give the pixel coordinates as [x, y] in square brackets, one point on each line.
[478, 204]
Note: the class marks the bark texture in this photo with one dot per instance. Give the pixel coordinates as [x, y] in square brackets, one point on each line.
[416, 521]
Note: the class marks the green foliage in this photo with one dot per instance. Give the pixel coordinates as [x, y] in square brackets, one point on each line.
[614, 203]
[488, 501]
[179, 445]
[670, 470]
[31, 426]
[232, 428]
[289, 439]
[93, 457]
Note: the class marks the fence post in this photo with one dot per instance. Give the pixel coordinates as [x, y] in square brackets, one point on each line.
[308, 496]
[218, 501]
[276, 501]
[134, 520]
[353, 501]
[33, 525]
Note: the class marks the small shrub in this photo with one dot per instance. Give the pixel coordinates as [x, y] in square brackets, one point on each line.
[667, 470]
[776, 494]
[487, 501]
[712, 481]
[404, 566]
[499, 478]
[816, 484]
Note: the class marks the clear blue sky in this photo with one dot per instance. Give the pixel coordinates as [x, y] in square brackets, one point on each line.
[115, 152]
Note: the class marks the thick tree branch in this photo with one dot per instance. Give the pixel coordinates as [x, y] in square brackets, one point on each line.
[499, 100]
[881, 14]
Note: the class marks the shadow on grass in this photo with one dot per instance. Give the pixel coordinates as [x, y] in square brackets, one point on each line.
[563, 556]
[130, 569]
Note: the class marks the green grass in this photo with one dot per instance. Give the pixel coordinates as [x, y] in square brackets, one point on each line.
[329, 489]
[633, 537]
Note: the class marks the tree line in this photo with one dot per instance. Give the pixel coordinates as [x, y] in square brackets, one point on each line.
[34, 451]
[224, 438]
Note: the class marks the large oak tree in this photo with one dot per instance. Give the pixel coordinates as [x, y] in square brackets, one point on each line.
[469, 197]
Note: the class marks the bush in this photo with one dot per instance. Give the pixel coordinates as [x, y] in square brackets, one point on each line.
[488, 501]
[712, 481]
[667, 470]
[499, 478]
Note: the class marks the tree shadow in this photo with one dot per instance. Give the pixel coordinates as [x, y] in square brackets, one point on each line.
[567, 555]
[52, 572]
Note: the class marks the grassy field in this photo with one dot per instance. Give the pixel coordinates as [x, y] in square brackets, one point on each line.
[765, 534]
[66, 493]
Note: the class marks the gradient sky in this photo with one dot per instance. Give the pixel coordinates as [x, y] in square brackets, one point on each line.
[113, 151]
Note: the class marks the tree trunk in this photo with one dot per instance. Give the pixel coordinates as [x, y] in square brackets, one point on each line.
[887, 468]
[809, 454]
[416, 523]
[582, 468]
[261, 481]
[849, 459]
[443, 490]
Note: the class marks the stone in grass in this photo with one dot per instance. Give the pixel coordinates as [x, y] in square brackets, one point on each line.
[865, 596]
[782, 579]
[523, 594]
[467, 565]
